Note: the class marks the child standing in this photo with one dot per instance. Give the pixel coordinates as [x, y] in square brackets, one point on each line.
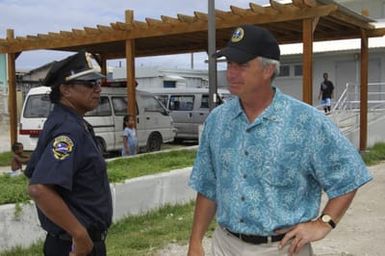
[130, 141]
[18, 159]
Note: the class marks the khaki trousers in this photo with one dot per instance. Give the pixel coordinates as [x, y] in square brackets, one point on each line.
[225, 244]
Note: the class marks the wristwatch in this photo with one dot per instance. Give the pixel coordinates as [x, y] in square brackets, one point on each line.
[327, 219]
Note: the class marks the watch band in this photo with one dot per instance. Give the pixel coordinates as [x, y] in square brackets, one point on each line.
[327, 219]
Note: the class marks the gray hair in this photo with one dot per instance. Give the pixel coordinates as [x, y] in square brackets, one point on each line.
[265, 62]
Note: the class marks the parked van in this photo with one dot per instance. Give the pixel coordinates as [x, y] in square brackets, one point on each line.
[189, 108]
[154, 124]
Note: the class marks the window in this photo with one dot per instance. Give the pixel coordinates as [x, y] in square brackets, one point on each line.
[37, 106]
[284, 70]
[152, 105]
[298, 70]
[205, 101]
[120, 105]
[103, 109]
[169, 84]
[181, 102]
[163, 99]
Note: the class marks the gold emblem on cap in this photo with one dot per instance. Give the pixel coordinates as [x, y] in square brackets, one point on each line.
[237, 35]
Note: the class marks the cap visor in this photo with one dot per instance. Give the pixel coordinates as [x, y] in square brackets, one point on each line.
[234, 54]
[88, 75]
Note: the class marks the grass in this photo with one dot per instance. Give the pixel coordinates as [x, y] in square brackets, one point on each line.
[140, 235]
[5, 158]
[375, 154]
[127, 168]
[144, 235]
[13, 189]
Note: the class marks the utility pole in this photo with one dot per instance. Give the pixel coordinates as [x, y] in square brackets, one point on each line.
[211, 50]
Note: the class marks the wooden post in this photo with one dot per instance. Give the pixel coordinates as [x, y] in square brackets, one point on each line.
[12, 105]
[131, 84]
[130, 68]
[364, 92]
[307, 38]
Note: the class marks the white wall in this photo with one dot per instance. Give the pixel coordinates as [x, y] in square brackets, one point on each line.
[134, 196]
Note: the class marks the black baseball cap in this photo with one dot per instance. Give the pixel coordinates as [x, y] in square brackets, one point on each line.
[76, 68]
[249, 42]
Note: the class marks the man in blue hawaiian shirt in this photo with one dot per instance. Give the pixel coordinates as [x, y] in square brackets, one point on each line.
[264, 160]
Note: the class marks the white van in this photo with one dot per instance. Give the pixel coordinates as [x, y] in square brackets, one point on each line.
[189, 108]
[154, 124]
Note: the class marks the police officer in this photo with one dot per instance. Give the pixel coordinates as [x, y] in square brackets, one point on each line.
[67, 172]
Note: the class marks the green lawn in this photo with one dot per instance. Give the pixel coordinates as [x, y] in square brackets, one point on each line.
[144, 235]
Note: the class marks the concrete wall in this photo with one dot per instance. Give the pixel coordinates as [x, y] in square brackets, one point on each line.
[20, 227]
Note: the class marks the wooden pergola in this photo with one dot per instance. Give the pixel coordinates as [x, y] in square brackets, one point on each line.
[303, 21]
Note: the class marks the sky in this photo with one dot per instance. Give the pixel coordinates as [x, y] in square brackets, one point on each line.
[30, 17]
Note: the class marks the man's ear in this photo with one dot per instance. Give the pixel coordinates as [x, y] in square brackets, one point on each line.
[269, 71]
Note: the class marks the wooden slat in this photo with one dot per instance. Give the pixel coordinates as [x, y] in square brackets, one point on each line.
[350, 20]
[78, 32]
[239, 11]
[299, 3]
[103, 28]
[66, 33]
[153, 22]
[91, 30]
[222, 14]
[140, 24]
[170, 20]
[201, 16]
[186, 18]
[257, 8]
[277, 6]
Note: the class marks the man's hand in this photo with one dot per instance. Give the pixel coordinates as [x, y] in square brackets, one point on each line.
[82, 245]
[302, 234]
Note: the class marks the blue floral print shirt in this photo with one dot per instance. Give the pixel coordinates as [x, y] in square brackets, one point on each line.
[270, 173]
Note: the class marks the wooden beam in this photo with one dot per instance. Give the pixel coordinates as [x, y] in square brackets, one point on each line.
[299, 3]
[221, 14]
[307, 39]
[364, 91]
[201, 16]
[239, 11]
[350, 20]
[131, 90]
[91, 30]
[153, 22]
[186, 18]
[257, 8]
[129, 17]
[170, 20]
[12, 91]
[103, 28]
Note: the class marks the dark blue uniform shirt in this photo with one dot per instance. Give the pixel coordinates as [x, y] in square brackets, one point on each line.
[68, 158]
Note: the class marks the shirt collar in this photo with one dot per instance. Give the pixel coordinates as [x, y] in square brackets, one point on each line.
[270, 113]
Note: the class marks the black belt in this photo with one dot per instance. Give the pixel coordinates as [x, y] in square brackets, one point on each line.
[96, 236]
[254, 239]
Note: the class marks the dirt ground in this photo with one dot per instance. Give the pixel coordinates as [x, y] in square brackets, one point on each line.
[360, 233]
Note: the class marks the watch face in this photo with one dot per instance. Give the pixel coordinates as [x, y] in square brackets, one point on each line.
[326, 218]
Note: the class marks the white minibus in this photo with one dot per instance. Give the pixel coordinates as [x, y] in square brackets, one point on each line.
[154, 124]
[189, 108]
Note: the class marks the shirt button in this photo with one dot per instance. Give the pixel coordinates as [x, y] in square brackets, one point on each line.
[246, 153]
[244, 176]
[242, 198]
[241, 220]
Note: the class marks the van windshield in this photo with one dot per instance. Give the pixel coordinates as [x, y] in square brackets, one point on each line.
[37, 106]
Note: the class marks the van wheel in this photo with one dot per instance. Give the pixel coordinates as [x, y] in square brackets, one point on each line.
[154, 142]
[101, 145]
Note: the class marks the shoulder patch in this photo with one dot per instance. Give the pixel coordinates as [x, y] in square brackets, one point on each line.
[62, 147]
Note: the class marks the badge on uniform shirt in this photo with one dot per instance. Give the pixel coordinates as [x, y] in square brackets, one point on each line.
[62, 147]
